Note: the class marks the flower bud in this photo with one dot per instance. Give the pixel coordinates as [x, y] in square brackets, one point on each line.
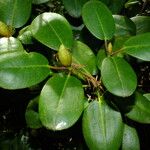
[64, 56]
[4, 30]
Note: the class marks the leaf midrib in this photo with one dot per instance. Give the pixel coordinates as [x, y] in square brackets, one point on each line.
[119, 77]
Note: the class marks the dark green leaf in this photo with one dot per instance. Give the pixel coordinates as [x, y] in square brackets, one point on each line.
[96, 17]
[147, 95]
[11, 44]
[130, 139]
[15, 12]
[142, 24]
[100, 57]
[22, 70]
[118, 76]
[74, 7]
[61, 102]
[52, 30]
[140, 111]
[102, 127]
[138, 46]
[124, 26]
[32, 115]
[32, 119]
[83, 55]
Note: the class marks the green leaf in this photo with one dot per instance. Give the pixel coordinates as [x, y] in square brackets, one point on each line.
[118, 76]
[22, 70]
[130, 139]
[52, 30]
[124, 26]
[138, 46]
[147, 95]
[101, 55]
[25, 35]
[11, 44]
[61, 102]
[102, 127]
[74, 7]
[15, 12]
[84, 56]
[39, 1]
[32, 115]
[96, 16]
[142, 24]
[32, 119]
[140, 111]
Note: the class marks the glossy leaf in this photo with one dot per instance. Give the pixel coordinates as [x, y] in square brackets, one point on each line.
[39, 1]
[140, 111]
[96, 16]
[102, 127]
[74, 7]
[83, 56]
[15, 12]
[52, 30]
[138, 46]
[130, 139]
[61, 102]
[101, 55]
[147, 95]
[21, 70]
[25, 35]
[11, 44]
[142, 24]
[124, 26]
[118, 76]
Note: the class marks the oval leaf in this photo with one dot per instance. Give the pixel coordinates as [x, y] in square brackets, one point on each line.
[130, 139]
[83, 56]
[124, 26]
[15, 12]
[140, 111]
[142, 24]
[96, 16]
[118, 76]
[147, 95]
[138, 46]
[22, 70]
[61, 102]
[52, 30]
[11, 44]
[102, 127]
[74, 8]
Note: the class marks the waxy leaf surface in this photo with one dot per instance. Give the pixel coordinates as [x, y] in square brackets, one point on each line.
[118, 76]
[83, 56]
[98, 19]
[61, 102]
[130, 139]
[138, 46]
[140, 111]
[21, 70]
[102, 127]
[52, 30]
[15, 12]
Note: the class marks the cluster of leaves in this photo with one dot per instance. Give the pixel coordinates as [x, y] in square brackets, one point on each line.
[107, 73]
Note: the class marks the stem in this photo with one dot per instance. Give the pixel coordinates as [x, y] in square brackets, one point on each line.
[58, 68]
[116, 52]
[106, 47]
